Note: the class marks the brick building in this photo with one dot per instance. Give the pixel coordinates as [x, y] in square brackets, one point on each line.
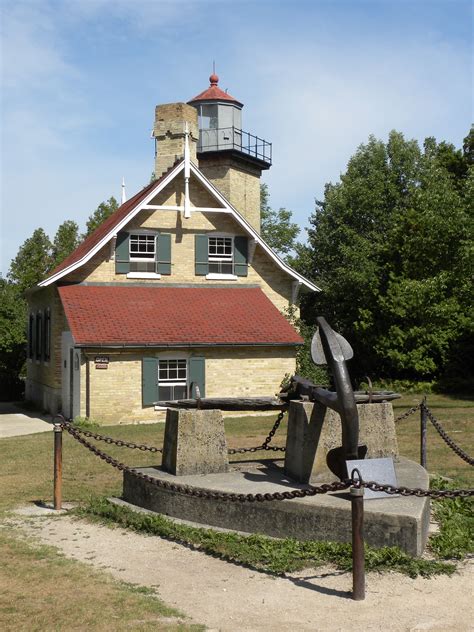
[176, 288]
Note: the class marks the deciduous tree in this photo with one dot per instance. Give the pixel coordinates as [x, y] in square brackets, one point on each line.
[391, 247]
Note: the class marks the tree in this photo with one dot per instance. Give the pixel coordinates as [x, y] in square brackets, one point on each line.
[276, 226]
[32, 262]
[390, 247]
[12, 339]
[65, 241]
[102, 212]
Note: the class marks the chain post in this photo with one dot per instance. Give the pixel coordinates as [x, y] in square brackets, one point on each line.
[358, 559]
[58, 465]
[423, 429]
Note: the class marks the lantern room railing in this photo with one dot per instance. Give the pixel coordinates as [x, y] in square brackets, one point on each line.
[232, 138]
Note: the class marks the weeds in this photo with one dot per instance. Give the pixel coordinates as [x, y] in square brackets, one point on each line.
[261, 552]
[455, 516]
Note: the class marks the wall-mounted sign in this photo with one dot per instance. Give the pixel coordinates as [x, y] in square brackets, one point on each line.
[101, 362]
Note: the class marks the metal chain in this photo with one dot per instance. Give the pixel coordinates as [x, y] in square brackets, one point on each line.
[409, 412]
[111, 440]
[420, 493]
[204, 493]
[446, 438]
[265, 445]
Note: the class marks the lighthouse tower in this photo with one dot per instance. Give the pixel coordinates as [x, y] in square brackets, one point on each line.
[232, 159]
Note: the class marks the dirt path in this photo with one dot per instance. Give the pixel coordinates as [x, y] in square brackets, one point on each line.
[229, 598]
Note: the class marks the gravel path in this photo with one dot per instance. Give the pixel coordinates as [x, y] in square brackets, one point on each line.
[229, 598]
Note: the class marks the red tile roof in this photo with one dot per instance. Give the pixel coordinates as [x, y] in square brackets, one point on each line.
[124, 315]
[112, 221]
[214, 93]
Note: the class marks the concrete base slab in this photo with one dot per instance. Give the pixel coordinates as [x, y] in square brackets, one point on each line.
[401, 521]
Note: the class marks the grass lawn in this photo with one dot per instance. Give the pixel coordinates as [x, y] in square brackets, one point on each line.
[35, 580]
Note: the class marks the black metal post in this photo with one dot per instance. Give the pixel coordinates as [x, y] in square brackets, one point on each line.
[358, 559]
[58, 465]
[423, 425]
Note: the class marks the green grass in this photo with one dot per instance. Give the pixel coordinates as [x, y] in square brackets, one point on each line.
[42, 590]
[258, 551]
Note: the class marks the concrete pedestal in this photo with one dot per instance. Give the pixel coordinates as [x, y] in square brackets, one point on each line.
[313, 430]
[392, 521]
[195, 442]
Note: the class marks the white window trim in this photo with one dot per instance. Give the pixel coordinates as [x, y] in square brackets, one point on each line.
[217, 276]
[172, 356]
[143, 275]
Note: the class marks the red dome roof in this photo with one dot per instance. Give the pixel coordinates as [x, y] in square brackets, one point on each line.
[214, 93]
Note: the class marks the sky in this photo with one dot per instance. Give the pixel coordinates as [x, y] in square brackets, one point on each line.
[80, 80]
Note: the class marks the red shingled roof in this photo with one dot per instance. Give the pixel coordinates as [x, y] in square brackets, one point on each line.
[124, 315]
[112, 221]
[214, 93]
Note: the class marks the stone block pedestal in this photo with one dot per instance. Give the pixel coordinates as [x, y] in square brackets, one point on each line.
[313, 430]
[194, 442]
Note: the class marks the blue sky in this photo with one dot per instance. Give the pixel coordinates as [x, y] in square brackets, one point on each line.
[81, 78]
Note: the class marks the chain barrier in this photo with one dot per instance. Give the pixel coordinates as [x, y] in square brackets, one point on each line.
[287, 495]
[265, 445]
[446, 438]
[407, 413]
[204, 493]
[111, 440]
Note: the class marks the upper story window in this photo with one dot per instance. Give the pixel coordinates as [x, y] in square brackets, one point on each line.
[221, 255]
[142, 253]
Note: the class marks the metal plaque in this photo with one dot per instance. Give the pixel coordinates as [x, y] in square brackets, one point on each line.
[377, 470]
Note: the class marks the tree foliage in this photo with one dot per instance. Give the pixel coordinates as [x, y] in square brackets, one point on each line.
[12, 339]
[276, 226]
[32, 262]
[65, 241]
[101, 213]
[391, 247]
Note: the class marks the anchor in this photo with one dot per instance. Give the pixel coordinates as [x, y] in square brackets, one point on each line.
[327, 347]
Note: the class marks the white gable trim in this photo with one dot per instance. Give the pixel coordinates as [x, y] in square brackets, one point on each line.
[225, 207]
[253, 233]
[113, 232]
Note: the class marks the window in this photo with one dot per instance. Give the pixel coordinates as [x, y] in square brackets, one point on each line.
[208, 118]
[39, 336]
[142, 253]
[172, 379]
[165, 379]
[31, 334]
[47, 336]
[221, 256]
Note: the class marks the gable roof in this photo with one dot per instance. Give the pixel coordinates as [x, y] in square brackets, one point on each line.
[130, 316]
[125, 213]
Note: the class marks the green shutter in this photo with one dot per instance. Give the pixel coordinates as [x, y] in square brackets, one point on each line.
[241, 256]
[201, 254]
[149, 381]
[197, 376]
[122, 253]
[163, 253]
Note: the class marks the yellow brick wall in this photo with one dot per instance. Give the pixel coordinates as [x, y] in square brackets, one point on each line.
[43, 383]
[239, 185]
[115, 393]
[276, 284]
